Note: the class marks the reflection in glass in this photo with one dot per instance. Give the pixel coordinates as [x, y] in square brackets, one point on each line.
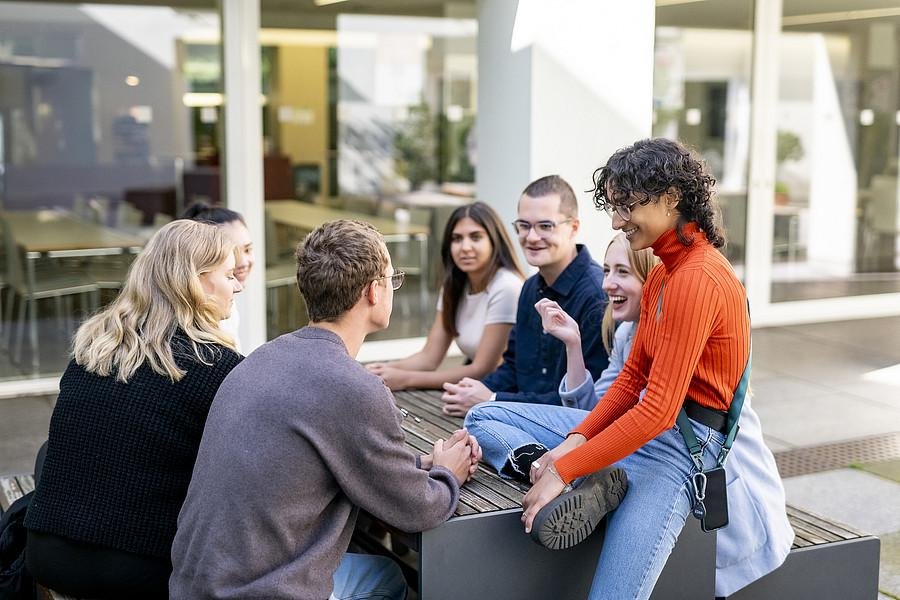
[95, 141]
[836, 194]
[701, 96]
[373, 119]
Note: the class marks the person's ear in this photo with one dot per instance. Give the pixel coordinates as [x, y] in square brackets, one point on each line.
[672, 197]
[371, 293]
[576, 225]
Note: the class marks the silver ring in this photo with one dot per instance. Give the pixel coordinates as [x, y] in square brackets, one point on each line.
[535, 465]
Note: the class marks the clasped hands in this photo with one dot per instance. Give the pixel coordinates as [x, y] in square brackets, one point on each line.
[460, 454]
[461, 396]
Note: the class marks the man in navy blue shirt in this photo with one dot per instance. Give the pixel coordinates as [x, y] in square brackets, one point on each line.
[534, 362]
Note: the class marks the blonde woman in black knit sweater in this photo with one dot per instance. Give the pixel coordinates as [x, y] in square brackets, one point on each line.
[131, 410]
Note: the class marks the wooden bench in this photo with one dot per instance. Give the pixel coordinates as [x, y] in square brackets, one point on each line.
[13, 487]
[482, 551]
[828, 561]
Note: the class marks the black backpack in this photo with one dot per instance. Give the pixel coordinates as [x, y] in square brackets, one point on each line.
[15, 582]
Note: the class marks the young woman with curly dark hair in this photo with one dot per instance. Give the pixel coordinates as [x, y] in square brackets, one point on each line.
[691, 348]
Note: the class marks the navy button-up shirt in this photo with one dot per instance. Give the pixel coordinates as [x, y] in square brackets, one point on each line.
[535, 362]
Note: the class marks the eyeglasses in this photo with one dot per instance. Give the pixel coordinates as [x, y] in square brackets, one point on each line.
[624, 210]
[543, 228]
[396, 279]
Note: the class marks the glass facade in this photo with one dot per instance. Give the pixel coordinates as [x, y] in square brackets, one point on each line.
[702, 97]
[836, 193]
[373, 118]
[112, 121]
[99, 143]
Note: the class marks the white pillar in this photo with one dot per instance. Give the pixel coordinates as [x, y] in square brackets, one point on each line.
[561, 86]
[243, 152]
[763, 125]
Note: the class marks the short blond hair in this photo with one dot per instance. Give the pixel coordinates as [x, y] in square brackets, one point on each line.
[335, 263]
[162, 293]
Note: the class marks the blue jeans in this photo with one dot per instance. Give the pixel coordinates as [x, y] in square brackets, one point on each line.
[369, 577]
[641, 532]
[501, 427]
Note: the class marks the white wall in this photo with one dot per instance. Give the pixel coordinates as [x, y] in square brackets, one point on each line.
[561, 86]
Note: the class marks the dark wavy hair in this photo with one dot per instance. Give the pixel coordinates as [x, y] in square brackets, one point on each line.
[649, 168]
[502, 256]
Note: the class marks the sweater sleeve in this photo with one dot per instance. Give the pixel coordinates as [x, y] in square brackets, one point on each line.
[376, 471]
[619, 425]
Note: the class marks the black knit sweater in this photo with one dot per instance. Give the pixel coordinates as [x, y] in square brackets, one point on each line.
[120, 456]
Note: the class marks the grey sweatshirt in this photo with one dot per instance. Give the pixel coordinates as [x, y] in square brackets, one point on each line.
[299, 438]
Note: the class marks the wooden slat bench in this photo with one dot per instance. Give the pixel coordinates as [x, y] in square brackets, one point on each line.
[828, 561]
[482, 551]
[13, 487]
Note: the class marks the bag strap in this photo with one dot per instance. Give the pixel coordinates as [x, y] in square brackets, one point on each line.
[734, 409]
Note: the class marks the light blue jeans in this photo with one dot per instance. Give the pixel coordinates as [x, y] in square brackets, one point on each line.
[501, 427]
[368, 577]
[641, 532]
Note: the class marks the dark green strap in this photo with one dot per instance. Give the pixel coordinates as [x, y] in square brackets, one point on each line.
[734, 409]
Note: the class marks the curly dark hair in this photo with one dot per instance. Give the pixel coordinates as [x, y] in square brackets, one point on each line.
[647, 169]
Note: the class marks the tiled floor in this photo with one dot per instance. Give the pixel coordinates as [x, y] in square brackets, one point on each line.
[834, 383]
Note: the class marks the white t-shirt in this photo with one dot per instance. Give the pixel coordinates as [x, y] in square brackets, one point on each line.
[496, 304]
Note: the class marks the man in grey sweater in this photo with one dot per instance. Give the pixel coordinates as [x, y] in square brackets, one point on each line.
[300, 437]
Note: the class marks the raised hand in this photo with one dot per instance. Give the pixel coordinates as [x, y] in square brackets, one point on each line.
[557, 322]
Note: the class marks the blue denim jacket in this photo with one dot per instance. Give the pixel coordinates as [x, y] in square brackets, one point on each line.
[535, 361]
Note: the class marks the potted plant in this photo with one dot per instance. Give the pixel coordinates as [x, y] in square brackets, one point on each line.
[788, 147]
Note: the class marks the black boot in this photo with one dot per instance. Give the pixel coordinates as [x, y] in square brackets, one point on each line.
[518, 466]
[572, 516]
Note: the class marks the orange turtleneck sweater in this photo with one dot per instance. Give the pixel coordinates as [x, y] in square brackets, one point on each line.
[698, 347]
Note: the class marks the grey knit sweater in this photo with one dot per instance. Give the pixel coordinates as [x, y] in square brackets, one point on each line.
[299, 438]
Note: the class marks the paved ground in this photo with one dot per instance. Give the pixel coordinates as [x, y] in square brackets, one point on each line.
[826, 389]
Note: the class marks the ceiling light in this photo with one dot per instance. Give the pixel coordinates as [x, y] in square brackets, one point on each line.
[327, 2]
[866, 117]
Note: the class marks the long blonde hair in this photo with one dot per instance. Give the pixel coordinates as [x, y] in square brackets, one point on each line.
[642, 261]
[161, 294]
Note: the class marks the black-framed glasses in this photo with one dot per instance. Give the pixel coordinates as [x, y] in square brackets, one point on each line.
[543, 228]
[624, 210]
[396, 279]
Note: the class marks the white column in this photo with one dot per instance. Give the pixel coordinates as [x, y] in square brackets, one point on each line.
[561, 86]
[761, 194]
[243, 152]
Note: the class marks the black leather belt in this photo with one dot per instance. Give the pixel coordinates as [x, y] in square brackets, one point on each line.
[713, 419]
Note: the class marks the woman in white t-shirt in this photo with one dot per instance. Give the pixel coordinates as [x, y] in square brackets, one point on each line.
[477, 307]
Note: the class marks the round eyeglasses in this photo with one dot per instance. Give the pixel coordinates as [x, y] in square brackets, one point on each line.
[396, 279]
[624, 210]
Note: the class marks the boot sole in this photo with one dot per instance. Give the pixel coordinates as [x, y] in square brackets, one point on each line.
[571, 517]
